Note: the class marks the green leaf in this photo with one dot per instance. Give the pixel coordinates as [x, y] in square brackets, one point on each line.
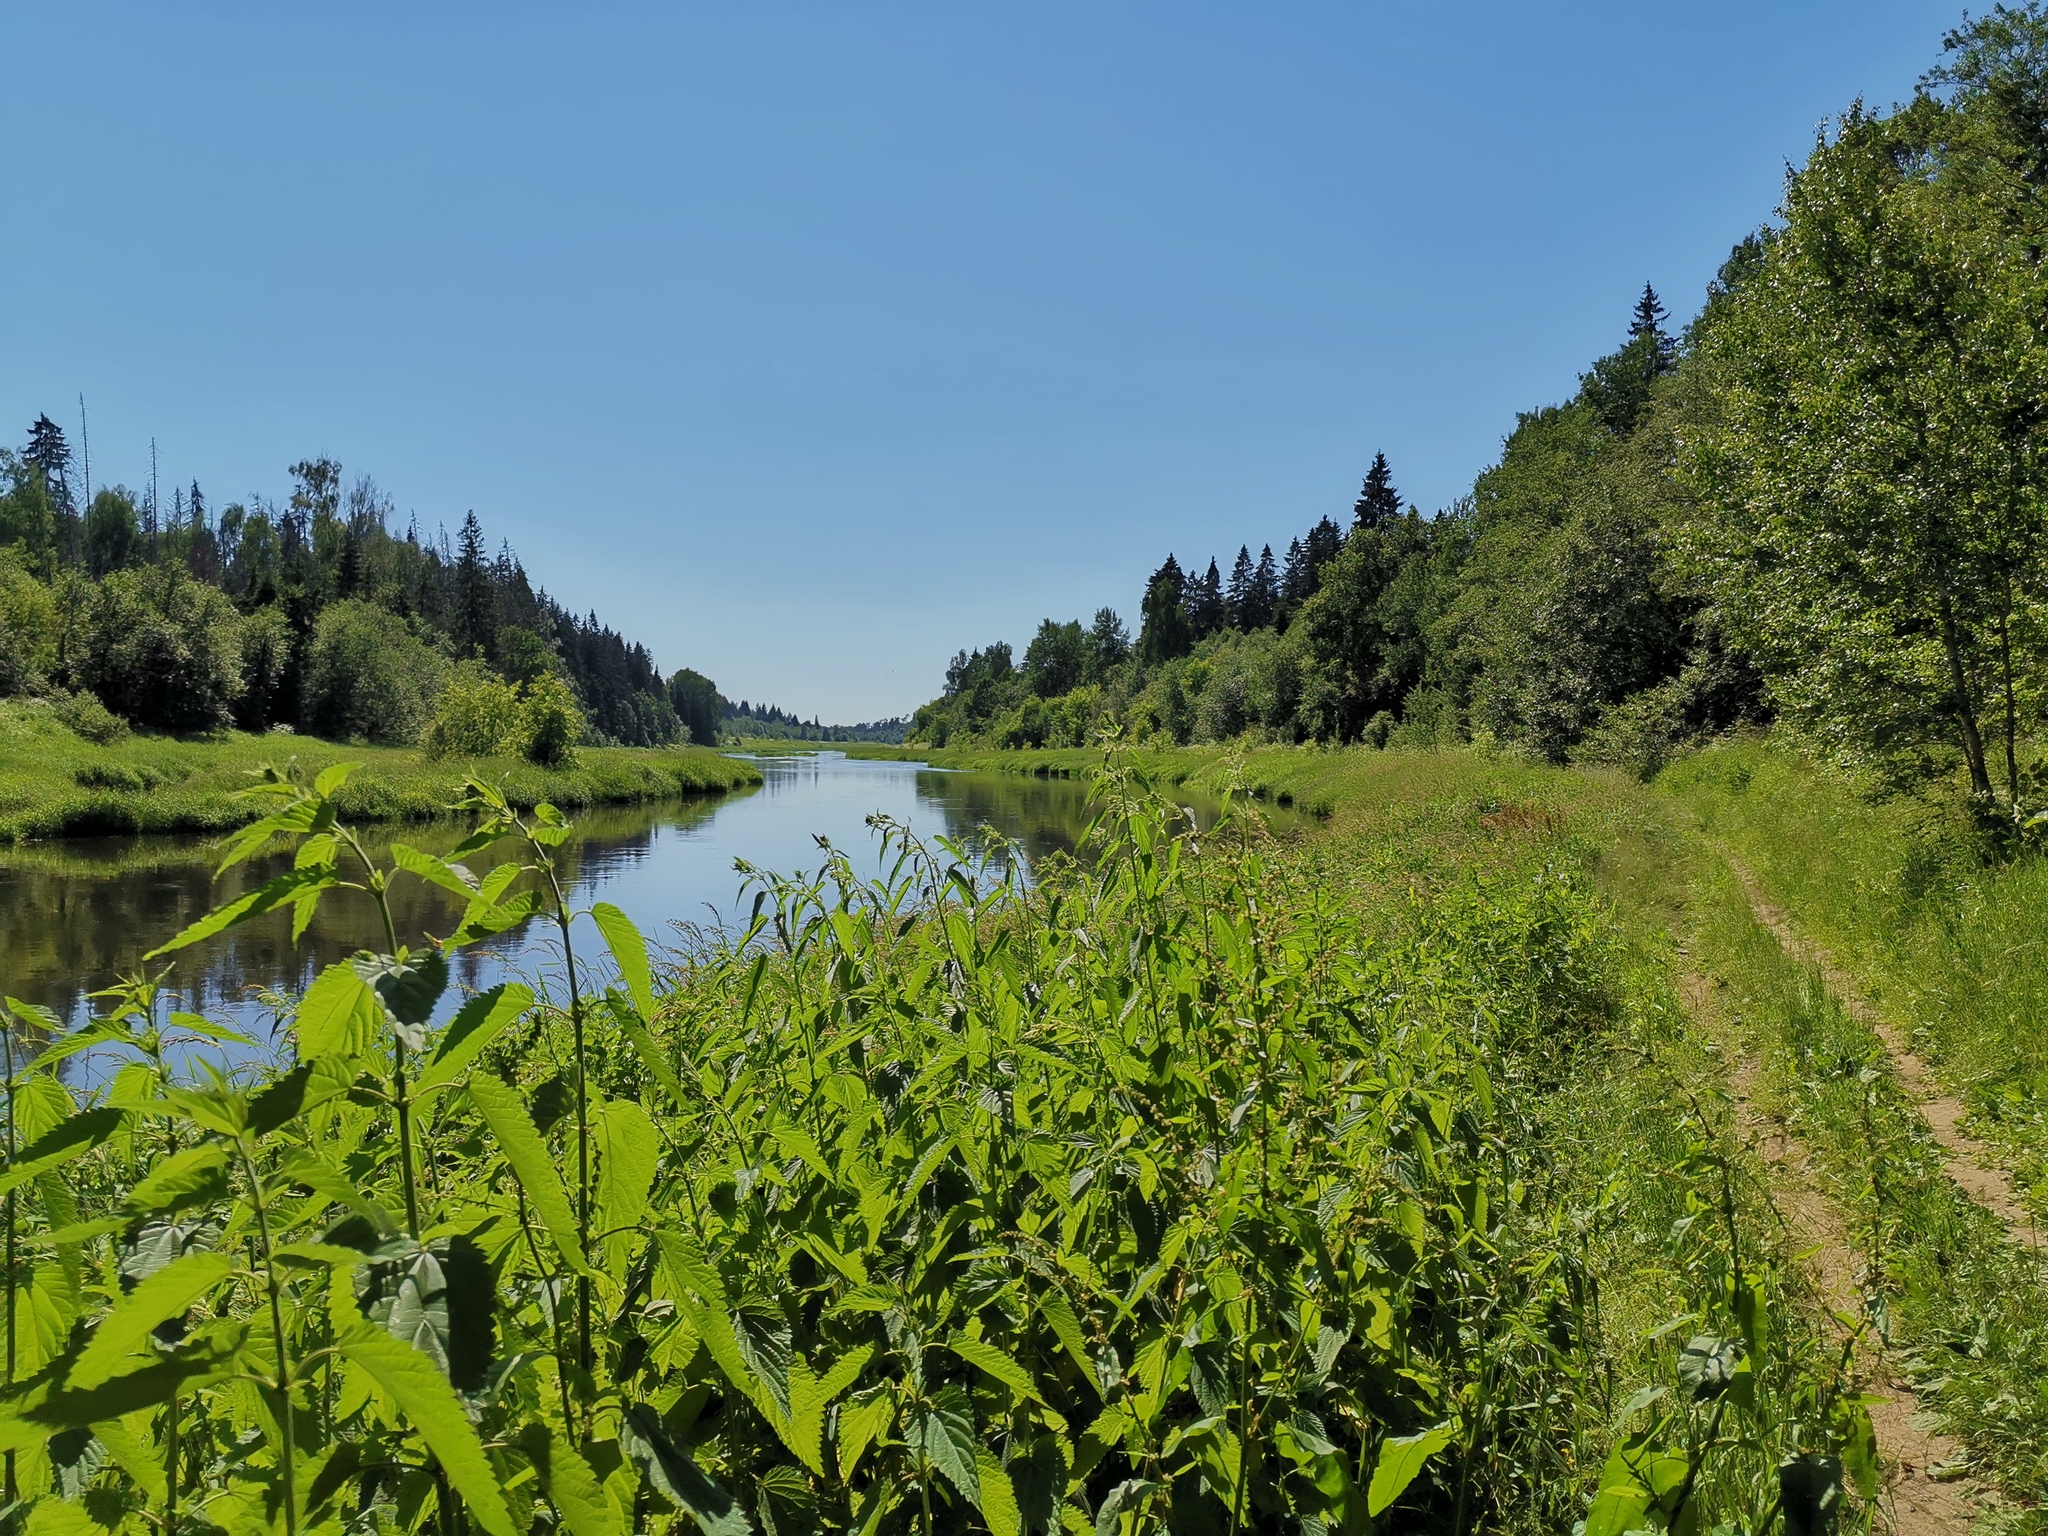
[569, 1483]
[408, 986]
[651, 1056]
[338, 1016]
[945, 1436]
[631, 1147]
[1058, 1312]
[168, 1293]
[476, 1024]
[984, 1356]
[998, 1498]
[70, 1139]
[50, 1408]
[307, 1167]
[62, 1517]
[678, 1478]
[435, 1414]
[859, 1423]
[437, 871]
[290, 887]
[1402, 1458]
[629, 950]
[332, 777]
[531, 1163]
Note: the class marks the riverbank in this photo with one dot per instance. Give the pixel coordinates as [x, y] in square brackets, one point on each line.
[53, 783]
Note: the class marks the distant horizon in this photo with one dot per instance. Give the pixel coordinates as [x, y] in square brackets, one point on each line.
[808, 349]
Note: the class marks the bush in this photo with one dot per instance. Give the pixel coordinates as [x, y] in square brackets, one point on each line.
[368, 677]
[163, 650]
[85, 716]
[28, 628]
[478, 715]
[550, 722]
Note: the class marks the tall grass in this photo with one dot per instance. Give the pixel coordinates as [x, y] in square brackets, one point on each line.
[1213, 1185]
[1951, 946]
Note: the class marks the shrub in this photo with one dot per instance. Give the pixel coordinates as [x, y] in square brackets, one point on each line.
[86, 716]
[550, 722]
[28, 628]
[478, 715]
[163, 650]
[368, 676]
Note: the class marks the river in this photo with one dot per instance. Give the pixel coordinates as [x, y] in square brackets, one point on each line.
[79, 914]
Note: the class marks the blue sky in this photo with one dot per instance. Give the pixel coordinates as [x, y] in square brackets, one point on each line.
[809, 343]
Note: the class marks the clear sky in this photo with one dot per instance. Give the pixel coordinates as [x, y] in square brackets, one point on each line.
[811, 342]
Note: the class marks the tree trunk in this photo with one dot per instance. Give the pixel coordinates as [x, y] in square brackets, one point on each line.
[1966, 714]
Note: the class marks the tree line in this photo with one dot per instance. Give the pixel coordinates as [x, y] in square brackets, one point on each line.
[1823, 501]
[314, 613]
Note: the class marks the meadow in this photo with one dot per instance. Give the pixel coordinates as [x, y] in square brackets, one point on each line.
[55, 783]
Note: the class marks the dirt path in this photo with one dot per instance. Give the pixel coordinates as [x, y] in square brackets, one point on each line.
[1918, 1504]
[1969, 1164]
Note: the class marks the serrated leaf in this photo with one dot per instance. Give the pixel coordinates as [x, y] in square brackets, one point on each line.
[338, 1016]
[475, 1025]
[569, 1483]
[998, 1498]
[530, 1162]
[71, 1138]
[630, 1148]
[435, 1413]
[677, 1477]
[629, 952]
[1401, 1460]
[944, 1435]
[437, 871]
[295, 885]
[167, 1294]
[985, 1357]
[651, 1056]
[859, 1423]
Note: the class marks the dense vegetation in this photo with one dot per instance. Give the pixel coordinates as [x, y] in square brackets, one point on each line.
[1214, 1185]
[768, 722]
[1824, 502]
[313, 614]
[56, 783]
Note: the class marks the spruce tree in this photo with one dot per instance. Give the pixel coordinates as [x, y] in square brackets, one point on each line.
[474, 630]
[1205, 603]
[48, 452]
[1378, 502]
[1165, 632]
[1322, 545]
[1237, 600]
[1264, 596]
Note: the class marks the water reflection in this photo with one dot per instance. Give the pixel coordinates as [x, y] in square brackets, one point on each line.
[80, 914]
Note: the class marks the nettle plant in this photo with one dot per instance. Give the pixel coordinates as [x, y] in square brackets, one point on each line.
[1158, 1194]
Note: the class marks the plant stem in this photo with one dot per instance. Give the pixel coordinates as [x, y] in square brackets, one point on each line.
[284, 1375]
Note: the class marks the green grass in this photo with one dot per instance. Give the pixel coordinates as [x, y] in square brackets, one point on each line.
[55, 784]
[1952, 949]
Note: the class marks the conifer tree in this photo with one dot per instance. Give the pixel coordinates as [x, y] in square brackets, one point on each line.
[1165, 633]
[1322, 545]
[48, 451]
[474, 629]
[1378, 502]
[1237, 600]
[1264, 596]
[1205, 603]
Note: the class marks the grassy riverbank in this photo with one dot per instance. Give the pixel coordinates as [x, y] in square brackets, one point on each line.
[53, 783]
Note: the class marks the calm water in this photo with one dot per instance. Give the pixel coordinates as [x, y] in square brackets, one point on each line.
[79, 914]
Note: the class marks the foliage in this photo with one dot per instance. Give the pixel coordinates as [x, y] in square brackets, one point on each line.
[1876, 449]
[1172, 1192]
[368, 677]
[284, 569]
[28, 628]
[162, 650]
[478, 715]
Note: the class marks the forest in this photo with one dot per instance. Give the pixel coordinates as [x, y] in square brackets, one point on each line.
[313, 614]
[1820, 503]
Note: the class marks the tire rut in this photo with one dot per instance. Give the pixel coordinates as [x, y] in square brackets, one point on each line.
[1921, 1498]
